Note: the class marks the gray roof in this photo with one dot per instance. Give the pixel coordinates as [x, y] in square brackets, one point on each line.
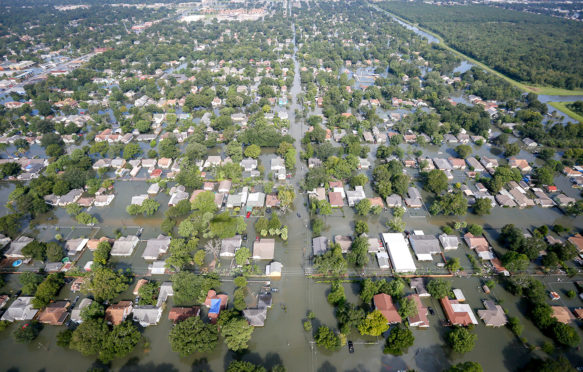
[230, 245]
[76, 313]
[424, 244]
[493, 315]
[124, 246]
[255, 317]
[449, 241]
[147, 315]
[413, 193]
[17, 245]
[264, 300]
[319, 245]
[166, 291]
[21, 309]
[156, 247]
[418, 285]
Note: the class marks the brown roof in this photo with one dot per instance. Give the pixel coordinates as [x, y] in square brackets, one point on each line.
[271, 200]
[578, 313]
[178, 314]
[420, 319]
[475, 241]
[93, 243]
[115, 314]
[55, 313]
[455, 318]
[577, 241]
[336, 199]
[334, 184]
[562, 314]
[376, 201]
[384, 303]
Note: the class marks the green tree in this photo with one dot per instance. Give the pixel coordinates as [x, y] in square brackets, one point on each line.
[190, 288]
[482, 206]
[515, 261]
[466, 367]
[461, 340]
[453, 265]
[105, 284]
[360, 227]
[331, 262]
[358, 254]
[148, 293]
[363, 207]
[253, 151]
[131, 150]
[88, 338]
[336, 295]
[374, 324]
[439, 288]
[28, 332]
[400, 339]
[237, 333]
[450, 204]
[54, 252]
[242, 256]
[193, 335]
[475, 230]
[463, 151]
[205, 202]
[565, 334]
[64, 338]
[327, 338]
[48, 290]
[101, 254]
[435, 181]
[242, 366]
[407, 307]
[30, 282]
[239, 299]
[120, 341]
[150, 206]
[35, 250]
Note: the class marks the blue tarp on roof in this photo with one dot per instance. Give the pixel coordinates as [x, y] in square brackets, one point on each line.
[215, 306]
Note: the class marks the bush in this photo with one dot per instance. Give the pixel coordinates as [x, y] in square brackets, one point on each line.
[326, 338]
[400, 339]
[461, 340]
[475, 230]
[26, 333]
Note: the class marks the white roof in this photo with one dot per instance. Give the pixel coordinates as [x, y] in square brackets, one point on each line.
[459, 295]
[399, 252]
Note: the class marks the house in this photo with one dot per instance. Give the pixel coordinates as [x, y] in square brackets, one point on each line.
[564, 200]
[344, 242]
[147, 315]
[263, 249]
[234, 201]
[76, 312]
[278, 168]
[414, 200]
[74, 246]
[154, 189]
[394, 201]
[571, 173]
[480, 245]
[529, 143]
[156, 247]
[230, 245]
[489, 163]
[139, 199]
[383, 260]
[16, 247]
[384, 303]
[521, 164]
[355, 196]
[124, 246]
[319, 193]
[177, 194]
[314, 162]
[363, 163]
[103, 200]
[474, 164]
[274, 269]
[224, 186]
[399, 252]
[577, 241]
[178, 314]
[449, 242]
[424, 246]
[249, 164]
[256, 200]
[494, 315]
[215, 302]
[420, 319]
[157, 268]
[164, 163]
[418, 284]
[255, 317]
[55, 313]
[457, 163]
[117, 313]
[165, 291]
[458, 314]
[20, 309]
[212, 161]
[562, 314]
[336, 199]
[442, 164]
[271, 201]
[319, 245]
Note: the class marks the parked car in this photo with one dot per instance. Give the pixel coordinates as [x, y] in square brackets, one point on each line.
[350, 347]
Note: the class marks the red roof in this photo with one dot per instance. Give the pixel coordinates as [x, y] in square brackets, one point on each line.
[336, 199]
[384, 303]
[455, 318]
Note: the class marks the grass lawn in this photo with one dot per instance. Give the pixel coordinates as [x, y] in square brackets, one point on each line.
[562, 106]
[552, 91]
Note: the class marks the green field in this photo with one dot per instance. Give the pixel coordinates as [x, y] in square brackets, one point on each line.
[506, 42]
[562, 106]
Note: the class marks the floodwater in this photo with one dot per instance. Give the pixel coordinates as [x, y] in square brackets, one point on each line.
[283, 339]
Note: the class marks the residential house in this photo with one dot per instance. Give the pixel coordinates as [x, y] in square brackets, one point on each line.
[564, 200]
[156, 247]
[457, 163]
[215, 302]
[420, 319]
[577, 241]
[529, 143]
[442, 164]
[384, 303]
[424, 246]
[355, 196]
[20, 309]
[16, 247]
[212, 161]
[157, 268]
[394, 201]
[319, 245]
[399, 253]
[480, 245]
[271, 201]
[225, 186]
[55, 313]
[562, 314]
[264, 249]
[344, 241]
[249, 164]
[178, 314]
[165, 291]
[177, 194]
[76, 312]
[383, 260]
[124, 246]
[494, 315]
[458, 314]
[449, 242]
[363, 163]
[336, 199]
[414, 200]
[230, 245]
[521, 164]
[278, 168]
[115, 314]
[139, 199]
[474, 164]
[256, 200]
[314, 162]
[418, 284]
[255, 317]
[74, 246]
[147, 315]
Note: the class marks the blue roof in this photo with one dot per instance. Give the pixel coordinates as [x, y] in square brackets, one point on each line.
[215, 306]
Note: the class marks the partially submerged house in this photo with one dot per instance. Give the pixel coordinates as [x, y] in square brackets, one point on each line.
[156, 247]
[458, 314]
[115, 314]
[124, 246]
[178, 314]
[20, 309]
[384, 303]
[494, 315]
[264, 249]
[319, 245]
[230, 245]
[55, 313]
[420, 319]
[147, 315]
[424, 246]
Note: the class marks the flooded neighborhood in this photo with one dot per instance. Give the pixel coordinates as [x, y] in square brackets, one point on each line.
[272, 186]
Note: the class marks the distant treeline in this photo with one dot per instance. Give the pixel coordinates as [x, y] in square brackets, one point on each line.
[531, 48]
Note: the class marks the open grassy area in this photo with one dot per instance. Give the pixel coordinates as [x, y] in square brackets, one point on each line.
[524, 87]
[562, 106]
